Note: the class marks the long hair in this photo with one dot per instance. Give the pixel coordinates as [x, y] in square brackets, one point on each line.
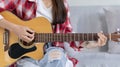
[59, 12]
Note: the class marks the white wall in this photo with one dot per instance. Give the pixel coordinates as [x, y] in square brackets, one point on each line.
[93, 2]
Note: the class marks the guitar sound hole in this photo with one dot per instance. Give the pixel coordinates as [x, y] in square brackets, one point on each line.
[25, 43]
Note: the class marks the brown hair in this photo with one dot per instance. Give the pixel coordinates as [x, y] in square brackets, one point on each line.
[59, 12]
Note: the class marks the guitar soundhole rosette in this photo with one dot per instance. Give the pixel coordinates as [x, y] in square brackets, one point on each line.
[25, 44]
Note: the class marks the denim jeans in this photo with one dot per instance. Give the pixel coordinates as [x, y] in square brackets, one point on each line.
[54, 57]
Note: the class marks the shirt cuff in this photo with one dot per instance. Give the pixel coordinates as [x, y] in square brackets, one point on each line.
[1, 17]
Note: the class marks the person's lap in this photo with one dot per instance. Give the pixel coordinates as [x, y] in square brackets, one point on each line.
[54, 57]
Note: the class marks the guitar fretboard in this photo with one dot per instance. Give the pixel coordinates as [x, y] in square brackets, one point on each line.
[58, 37]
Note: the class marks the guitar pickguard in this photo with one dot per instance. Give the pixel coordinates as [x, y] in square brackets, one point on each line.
[15, 51]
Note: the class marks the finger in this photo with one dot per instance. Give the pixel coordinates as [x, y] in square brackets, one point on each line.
[30, 31]
[27, 39]
[101, 32]
[29, 35]
[102, 37]
[99, 42]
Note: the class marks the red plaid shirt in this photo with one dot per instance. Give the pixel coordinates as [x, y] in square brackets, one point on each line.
[26, 10]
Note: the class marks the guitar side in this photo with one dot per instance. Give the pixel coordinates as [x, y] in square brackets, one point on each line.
[39, 25]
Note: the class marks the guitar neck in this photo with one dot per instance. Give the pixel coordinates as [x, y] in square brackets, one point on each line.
[59, 37]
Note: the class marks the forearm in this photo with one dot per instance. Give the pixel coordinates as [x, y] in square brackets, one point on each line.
[6, 24]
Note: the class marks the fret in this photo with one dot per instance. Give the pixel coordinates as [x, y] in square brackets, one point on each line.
[48, 37]
[38, 37]
[78, 37]
[54, 37]
[87, 37]
[92, 36]
[69, 37]
[95, 36]
[83, 37]
[65, 37]
[57, 38]
[74, 37]
[51, 37]
[62, 37]
[43, 37]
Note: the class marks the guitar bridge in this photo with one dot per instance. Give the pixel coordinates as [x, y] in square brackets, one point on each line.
[6, 40]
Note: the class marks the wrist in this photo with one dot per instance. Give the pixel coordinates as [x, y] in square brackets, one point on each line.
[12, 27]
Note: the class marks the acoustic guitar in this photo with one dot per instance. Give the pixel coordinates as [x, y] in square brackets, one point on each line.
[12, 48]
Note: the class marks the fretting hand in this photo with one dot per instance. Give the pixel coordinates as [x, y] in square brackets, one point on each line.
[101, 42]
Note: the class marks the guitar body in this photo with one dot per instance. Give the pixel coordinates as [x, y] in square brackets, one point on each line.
[39, 25]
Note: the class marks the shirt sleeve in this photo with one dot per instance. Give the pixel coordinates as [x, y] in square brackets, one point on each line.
[9, 5]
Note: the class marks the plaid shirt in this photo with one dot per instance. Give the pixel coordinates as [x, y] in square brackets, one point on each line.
[26, 10]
